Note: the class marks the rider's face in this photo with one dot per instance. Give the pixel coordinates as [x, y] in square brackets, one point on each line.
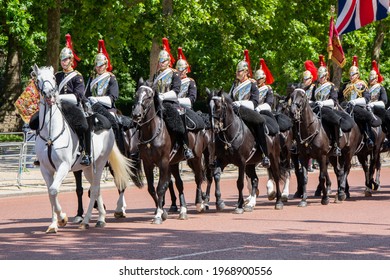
[307, 82]
[241, 75]
[163, 65]
[101, 69]
[66, 64]
[354, 77]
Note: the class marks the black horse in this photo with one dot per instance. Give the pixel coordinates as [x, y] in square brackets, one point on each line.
[156, 148]
[235, 144]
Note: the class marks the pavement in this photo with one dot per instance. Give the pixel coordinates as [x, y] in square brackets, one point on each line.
[30, 181]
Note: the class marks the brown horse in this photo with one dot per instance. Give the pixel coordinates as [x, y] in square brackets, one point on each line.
[235, 144]
[156, 150]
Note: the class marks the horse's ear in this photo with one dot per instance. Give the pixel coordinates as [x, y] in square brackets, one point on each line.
[141, 82]
[51, 69]
[35, 70]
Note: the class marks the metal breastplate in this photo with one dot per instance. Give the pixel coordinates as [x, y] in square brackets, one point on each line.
[164, 83]
[100, 88]
[354, 90]
[243, 93]
[185, 83]
[309, 92]
[323, 92]
[262, 94]
[375, 92]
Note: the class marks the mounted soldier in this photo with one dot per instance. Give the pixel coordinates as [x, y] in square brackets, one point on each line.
[102, 91]
[167, 82]
[71, 89]
[357, 96]
[309, 77]
[245, 94]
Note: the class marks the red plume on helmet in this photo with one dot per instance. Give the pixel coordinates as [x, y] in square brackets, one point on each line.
[355, 61]
[69, 45]
[248, 60]
[376, 69]
[180, 55]
[269, 79]
[309, 66]
[322, 60]
[168, 49]
[102, 49]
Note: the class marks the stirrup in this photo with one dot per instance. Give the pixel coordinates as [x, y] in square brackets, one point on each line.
[188, 154]
[85, 160]
[265, 162]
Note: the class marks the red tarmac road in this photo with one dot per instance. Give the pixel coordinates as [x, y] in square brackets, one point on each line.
[355, 229]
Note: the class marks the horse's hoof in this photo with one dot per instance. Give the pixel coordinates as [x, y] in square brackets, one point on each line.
[207, 207]
[51, 230]
[272, 195]
[341, 196]
[119, 215]
[325, 201]
[164, 215]
[100, 224]
[173, 209]
[157, 221]
[200, 207]
[238, 211]
[284, 197]
[220, 206]
[367, 194]
[348, 194]
[279, 206]
[302, 204]
[84, 226]
[77, 219]
[63, 222]
[248, 208]
[183, 216]
[317, 193]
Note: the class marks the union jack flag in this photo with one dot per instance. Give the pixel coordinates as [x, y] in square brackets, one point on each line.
[353, 14]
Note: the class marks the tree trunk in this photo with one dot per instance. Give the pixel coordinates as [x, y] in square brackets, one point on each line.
[336, 75]
[381, 30]
[167, 10]
[13, 88]
[53, 35]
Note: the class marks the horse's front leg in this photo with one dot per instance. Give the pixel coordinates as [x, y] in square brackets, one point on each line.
[240, 186]
[220, 204]
[79, 192]
[180, 188]
[302, 181]
[162, 186]
[322, 179]
[254, 181]
[59, 218]
[148, 170]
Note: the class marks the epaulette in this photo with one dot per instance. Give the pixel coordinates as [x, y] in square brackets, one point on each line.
[78, 73]
[111, 74]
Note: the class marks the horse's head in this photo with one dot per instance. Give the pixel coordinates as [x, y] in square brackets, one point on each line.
[144, 101]
[46, 83]
[220, 108]
[298, 100]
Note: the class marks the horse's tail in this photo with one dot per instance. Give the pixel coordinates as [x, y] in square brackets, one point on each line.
[121, 167]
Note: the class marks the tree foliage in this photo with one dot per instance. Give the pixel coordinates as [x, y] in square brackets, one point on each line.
[213, 35]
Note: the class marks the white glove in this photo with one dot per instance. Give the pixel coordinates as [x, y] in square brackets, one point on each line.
[92, 100]
[380, 104]
[319, 104]
[170, 95]
[358, 101]
[185, 102]
[263, 107]
[69, 97]
[246, 103]
[236, 104]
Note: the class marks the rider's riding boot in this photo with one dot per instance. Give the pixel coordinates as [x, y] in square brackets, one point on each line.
[86, 158]
[337, 150]
[370, 136]
[262, 145]
[188, 154]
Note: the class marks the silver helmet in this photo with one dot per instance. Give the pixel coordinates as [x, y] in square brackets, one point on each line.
[307, 75]
[100, 59]
[242, 65]
[66, 53]
[260, 75]
[181, 65]
[373, 75]
[353, 70]
[163, 56]
[322, 72]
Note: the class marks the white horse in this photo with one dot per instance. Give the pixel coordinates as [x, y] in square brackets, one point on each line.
[57, 147]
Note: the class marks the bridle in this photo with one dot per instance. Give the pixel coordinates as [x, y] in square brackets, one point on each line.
[221, 130]
[144, 113]
[299, 106]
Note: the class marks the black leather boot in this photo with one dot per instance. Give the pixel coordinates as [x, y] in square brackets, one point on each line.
[370, 136]
[86, 140]
[262, 145]
[188, 154]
